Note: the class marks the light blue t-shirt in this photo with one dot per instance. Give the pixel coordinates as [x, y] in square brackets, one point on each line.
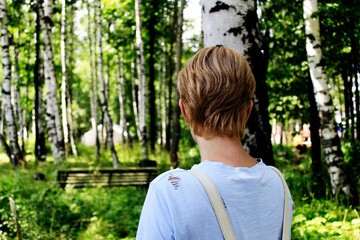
[177, 207]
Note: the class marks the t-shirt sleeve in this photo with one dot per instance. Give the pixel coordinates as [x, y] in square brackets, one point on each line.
[155, 220]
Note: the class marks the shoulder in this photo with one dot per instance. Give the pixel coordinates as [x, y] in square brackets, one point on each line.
[172, 180]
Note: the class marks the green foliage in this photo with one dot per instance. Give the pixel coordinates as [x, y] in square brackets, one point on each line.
[48, 212]
[324, 219]
[351, 152]
[314, 218]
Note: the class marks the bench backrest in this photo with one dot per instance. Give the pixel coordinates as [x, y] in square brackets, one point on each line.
[106, 177]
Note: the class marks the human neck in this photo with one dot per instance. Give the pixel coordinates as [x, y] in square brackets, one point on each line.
[226, 150]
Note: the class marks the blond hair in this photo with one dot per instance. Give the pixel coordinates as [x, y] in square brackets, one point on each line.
[216, 86]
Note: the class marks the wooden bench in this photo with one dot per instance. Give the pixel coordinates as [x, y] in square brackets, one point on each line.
[106, 177]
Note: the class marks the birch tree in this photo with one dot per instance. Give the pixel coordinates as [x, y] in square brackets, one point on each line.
[40, 148]
[340, 180]
[54, 124]
[104, 104]
[142, 80]
[64, 80]
[134, 93]
[15, 153]
[176, 133]
[18, 95]
[93, 83]
[234, 24]
[69, 71]
[121, 84]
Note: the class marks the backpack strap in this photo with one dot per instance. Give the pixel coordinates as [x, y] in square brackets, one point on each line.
[217, 204]
[220, 211]
[286, 218]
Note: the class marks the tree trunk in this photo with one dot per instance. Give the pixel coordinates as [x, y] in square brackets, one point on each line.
[134, 94]
[18, 97]
[54, 125]
[319, 184]
[40, 147]
[347, 97]
[163, 95]
[64, 82]
[94, 87]
[16, 154]
[340, 179]
[103, 99]
[355, 66]
[142, 81]
[2, 115]
[151, 66]
[121, 83]
[234, 24]
[176, 133]
[170, 77]
[68, 70]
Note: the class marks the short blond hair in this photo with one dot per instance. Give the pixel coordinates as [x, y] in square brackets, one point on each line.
[216, 87]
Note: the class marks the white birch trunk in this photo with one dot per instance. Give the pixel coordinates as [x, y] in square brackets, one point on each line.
[104, 104]
[234, 24]
[340, 181]
[68, 93]
[160, 98]
[142, 80]
[164, 96]
[54, 124]
[133, 94]
[17, 100]
[16, 155]
[121, 82]
[95, 87]
[64, 81]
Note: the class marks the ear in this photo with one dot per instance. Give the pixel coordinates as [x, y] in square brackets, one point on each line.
[249, 110]
[183, 110]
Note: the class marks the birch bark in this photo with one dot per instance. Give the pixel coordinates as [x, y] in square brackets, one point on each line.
[54, 125]
[64, 80]
[330, 141]
[142, 80]
[121, 82]
[103, 99]
[16, 155]
[18, 98]
[134, 93]
[234, 24]
[40, 148]
[95, 93]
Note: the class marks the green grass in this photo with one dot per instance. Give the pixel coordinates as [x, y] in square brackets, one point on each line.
[48, 212]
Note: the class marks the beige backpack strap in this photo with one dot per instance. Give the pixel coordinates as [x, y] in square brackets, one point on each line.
[286, 218]
[217, 204]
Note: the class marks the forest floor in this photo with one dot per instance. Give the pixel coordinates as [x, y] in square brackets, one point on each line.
[46, 211]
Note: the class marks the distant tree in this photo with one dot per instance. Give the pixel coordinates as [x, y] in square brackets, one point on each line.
[179, 52]
[143, 94]
[64, 80]
[340, 179]
[93, 82]
[234, 24]
[40, 148]
[103, 99]
[134, 92]
[121, 84]
[54, 125]
[14, 152]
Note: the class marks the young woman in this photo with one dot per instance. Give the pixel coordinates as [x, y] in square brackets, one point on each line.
[216, 87]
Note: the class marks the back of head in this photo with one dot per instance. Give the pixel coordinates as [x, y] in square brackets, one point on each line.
[216, 86]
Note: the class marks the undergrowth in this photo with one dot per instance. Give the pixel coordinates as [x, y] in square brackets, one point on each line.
[46, 211]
